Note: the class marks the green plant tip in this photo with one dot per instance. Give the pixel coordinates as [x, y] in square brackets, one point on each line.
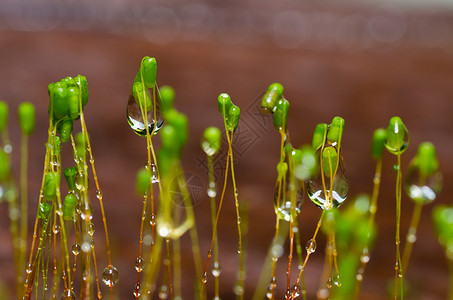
[329, 161]
[306, 167]
[443, 224]
[27, 118]
[234, 114]
[224, 104]
[69, 206]
[273, 94]
[282, 169]
[73, 101]
[319, 136]
[211, 140]
[427, 159]
[50, 185]
[148, 70]
[70, 175]
[167, 96]
[281, 115]
[335, 131]
[397, 136]
[66, 129]
[142, 96]
[81, 81]
[142, 181]
[58, 101]
[3, 115]
[180, 122]
[44, 210]
[5, 165]
[378, 143]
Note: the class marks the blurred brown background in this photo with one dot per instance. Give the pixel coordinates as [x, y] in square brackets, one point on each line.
[363, 61]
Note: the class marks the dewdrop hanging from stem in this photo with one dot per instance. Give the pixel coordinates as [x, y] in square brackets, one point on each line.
[396, 143]
[423, 183]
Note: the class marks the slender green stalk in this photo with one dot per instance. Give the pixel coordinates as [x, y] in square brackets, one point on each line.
[411, 235]
[23, 209]
[398, 269]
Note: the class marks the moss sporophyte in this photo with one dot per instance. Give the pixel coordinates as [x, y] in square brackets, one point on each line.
[62, 256]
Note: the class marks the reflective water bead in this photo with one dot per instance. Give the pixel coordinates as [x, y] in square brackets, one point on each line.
[76, 249]
[68, 294]
[28, 268]
[295, 291]
[211, 140]
[327, 194]
[283, 204]
[310, 246]
[56, 229]
[135, 117]
[163, 293]
[137, 291]
[216, 270]
[99, 294]
[397, 136]
[139, 264]
[91, 229]
[110, 276]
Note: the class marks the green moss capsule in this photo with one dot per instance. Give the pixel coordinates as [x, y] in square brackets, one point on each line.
[397, 136]
[167, 96]
[5, 165]
[224, 103]
[81, 81]
[69, 206]
[66, 129]
[27, 118]
[44, 209]
[148, 70]
[234, 114]
[142, 181]
[70, 175]
[335, 132]
[443, 224]
[307, 165]
[271, 97]
[58, 100]
[378, 143]
[180, 123]
[427, 159]
[319, 136]
[142, 96]
[3, 115]
[281, 115]
[329, 161]
[211, 140]
[50, 185]
[81, 144]
[73, 102]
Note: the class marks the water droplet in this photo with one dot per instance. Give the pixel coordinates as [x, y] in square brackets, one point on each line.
[68, 294]
[282, 204]
[99, 194]
[137, 292]
[364, 259]
[204, 278]
[110, 276]
[411, 238]
[164, 228]
[295, 291]
[422, 189]
[310, 246]
[99, 295]
[76, 249]
[212, 192]
[216, 269]
[238, 289]
[28, 269]
[323, 293]
[163, 293]
[324, 193]
[277, 251]
[91, 229]
[139, 264]
[135, 119]
[56, 229]
[271, 289]
[336, 280]
[81, 182]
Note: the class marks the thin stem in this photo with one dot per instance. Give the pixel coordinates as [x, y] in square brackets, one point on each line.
[398, 270]
[23, 208]
[411, 235]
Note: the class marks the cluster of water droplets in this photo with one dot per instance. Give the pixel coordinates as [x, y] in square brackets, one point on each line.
[135, 119]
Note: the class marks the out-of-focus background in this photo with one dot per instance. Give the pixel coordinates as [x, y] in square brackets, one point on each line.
[365, 61]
